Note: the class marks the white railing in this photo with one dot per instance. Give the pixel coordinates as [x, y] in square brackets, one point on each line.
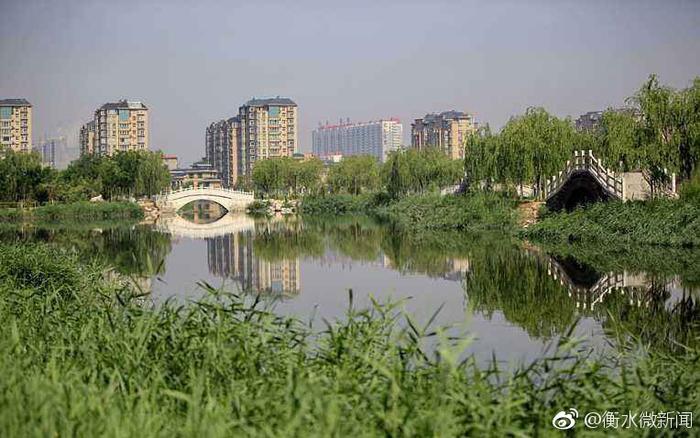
[166, 194]
[585, 161]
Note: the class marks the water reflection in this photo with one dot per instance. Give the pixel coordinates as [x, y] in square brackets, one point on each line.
[202, 212]
[516, 297]
[233, 256]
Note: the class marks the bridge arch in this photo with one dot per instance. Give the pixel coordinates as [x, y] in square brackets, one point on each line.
[580, 189]
[583, 180]
[231, 200]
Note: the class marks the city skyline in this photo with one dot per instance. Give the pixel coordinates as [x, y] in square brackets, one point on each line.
[194, 64]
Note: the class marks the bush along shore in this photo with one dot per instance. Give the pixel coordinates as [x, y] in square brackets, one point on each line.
[84, 356]
[469, 212]
[658, 222]
[76, 212]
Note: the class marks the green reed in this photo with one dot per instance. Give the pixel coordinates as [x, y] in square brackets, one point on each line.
[82, 354]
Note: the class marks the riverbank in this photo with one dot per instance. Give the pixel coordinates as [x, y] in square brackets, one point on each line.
[83, 211]
[661, 222]
[471, 212]
[100, 362]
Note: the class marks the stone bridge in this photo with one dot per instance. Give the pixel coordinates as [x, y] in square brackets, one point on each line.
[231, 200]
[585, 179]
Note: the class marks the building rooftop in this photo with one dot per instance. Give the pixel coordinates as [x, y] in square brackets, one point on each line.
[123, 104]
[14, 102]
[281, 101]
[447, 115]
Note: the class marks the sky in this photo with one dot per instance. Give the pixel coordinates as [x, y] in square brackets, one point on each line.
[196, 62]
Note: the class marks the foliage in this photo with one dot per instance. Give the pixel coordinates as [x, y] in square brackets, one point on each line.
[82, 211]
[417, 171]
[82, 357]
[657, 222]
[529, 148]
[354, 175]
[341, 204]
[474, 211]
[24, 178]
[286, 176]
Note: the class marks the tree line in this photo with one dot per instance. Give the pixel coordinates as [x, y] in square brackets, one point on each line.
[404, 172]
[24, 178]
[657, 133]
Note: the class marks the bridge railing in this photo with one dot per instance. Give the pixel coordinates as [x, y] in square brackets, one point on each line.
[166, 194]
[584, 160]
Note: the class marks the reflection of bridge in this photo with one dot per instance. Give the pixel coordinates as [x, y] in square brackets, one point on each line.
[231, 200]
[229, 223]
[590, 290]
[584, 179]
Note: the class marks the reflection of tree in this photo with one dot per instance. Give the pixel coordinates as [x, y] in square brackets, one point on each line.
[645, 315]
[132, 250]
[517, 284]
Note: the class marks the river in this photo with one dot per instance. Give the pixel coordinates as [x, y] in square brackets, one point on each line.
[514, 299]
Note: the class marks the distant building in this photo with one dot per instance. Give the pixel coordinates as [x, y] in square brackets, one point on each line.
[171, 161]
[15, 125]
[200, 174]
[589, 121]
[87, 138]
[48, 148]
[222, 148]
[446, 131]
[376, 138]
[268, 129]
[117, 127]
[593, 120]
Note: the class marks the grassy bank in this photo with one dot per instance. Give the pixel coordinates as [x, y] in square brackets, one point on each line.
[82, 357]
[660, 222]
[77, 211]
[471, 212]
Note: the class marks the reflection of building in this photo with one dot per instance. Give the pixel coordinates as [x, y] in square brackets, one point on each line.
[377, 138]
[117, 127]
[15, 125]
[200, 174]
[233, 256]
[447, 131]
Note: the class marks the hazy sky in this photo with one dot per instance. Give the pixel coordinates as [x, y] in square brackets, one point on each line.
[196, 62]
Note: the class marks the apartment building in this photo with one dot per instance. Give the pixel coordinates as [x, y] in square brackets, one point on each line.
[268, 130]
[15, 125]
[447, 131]
[87, 138]
[376, 138]
[222, 149]
[117, 127]
[50, 148]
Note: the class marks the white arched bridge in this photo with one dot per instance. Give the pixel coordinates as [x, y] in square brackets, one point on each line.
[231, 200]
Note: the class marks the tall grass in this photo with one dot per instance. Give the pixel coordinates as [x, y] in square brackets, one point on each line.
[82, 211]
[660, 222]
[83, 356]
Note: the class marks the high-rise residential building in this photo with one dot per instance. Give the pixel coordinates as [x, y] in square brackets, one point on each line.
[48, 149]
[87, 138]
[222, 142]
[15, 125]
[117, 127]
[377, 138]
[268, 130]
[446, 131]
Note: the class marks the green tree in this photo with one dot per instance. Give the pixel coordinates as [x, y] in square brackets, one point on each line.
[354, 175]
